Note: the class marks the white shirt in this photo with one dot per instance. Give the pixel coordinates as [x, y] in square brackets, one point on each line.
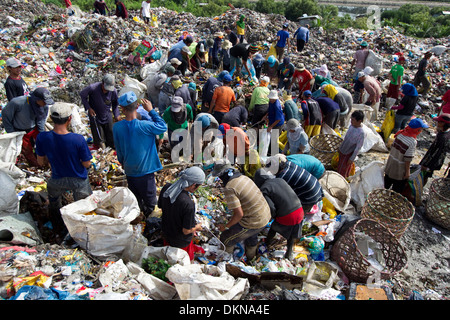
[145, 9]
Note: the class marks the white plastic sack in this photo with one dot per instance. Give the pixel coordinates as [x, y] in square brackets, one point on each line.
[365, 180]
[171, 254]
[372, 139]
[206, 282]
[156, 288]
[101, 235]
[10, 146]
[438, 50]
[154, 67]
[9, 202]
[375, 62]
[131, 84]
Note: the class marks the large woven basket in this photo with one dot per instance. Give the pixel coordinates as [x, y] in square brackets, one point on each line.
[389, 208]
[437, 208]
[324, 146]
[346, 253]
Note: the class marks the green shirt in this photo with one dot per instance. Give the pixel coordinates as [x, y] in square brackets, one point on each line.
[172, 125]
[259, 96]
[397, 71]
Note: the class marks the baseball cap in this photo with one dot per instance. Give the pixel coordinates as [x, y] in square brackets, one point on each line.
[205, 120]
[177, 103]
[220, 168]
[227, 78]
[360, 74]
[285, 25]
[364, 44]
[13, 63]
[223, 128]
[266, 79]
[61, 110]
[444, 117]
[175, 61]
[417, 123]
[42, 93]
[127, 98]
[307, 93]
[109, 82]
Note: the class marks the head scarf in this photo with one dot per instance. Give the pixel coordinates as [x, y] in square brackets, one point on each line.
[409, 132]
[323, 71]
[241, 22]
[188, 177]
[331, 91]
[409, 89]
[294, 136]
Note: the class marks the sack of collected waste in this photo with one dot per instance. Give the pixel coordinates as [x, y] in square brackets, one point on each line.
[100, 223]
[375, 62]
[365, 180]
[206, 282]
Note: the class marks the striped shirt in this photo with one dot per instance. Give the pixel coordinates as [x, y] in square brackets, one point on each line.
[402, 151]
[243, 192]
[305, 185]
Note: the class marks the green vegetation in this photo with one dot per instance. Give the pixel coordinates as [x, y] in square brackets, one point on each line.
[411, 19]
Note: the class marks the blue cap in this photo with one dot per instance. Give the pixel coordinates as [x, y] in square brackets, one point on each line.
[227, 78]
[127, 98]
[417, 123]
[222, 74]
[206, 121]
[271, 61]
[307, 93]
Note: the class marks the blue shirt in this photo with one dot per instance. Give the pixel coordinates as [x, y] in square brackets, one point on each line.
[302, 33]
[327, 105]
[284, 35]
[175, 51]
[135, 144]
[65, 153]
[276, 113]
[309, 163]
[102, 103]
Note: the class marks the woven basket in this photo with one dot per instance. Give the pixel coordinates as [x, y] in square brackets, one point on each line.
[437, 208]
[353, 262]
[389, 208]
[324, 146]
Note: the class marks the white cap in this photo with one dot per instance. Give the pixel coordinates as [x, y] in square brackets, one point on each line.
[13, 63]
[61, 110]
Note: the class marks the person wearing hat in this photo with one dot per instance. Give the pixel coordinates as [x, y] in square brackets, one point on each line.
[178, 223]
[302, 78]
[396, 76]
[259, 102]
[251, 213]
[258, 61]
[182, 90]
[223, 99]
[352, 144]
[136, 149]
[208, 89]
[302, 36]
[99, 100]
[305, 185]
[312, 115]
[373, 88]
[405, 109]
[167, 92]
[239, 55]
[421, 78]
[214, 52]
[198, 59]
[177, 116]
[282, 41]
[182, 52]
[397, 169]
[285, 208]
[15, 86]
[270, 68]
[69, 158]
[435, 156]
[201, 135]
[290, 108]
[236, 140]
[285, 72]
[29, 114]
[232, 37]
[275, 115]
[224, 55]
[359, 59]
[155, 83]
[297, 139]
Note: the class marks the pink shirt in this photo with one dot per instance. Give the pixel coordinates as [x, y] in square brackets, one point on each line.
[360, 56]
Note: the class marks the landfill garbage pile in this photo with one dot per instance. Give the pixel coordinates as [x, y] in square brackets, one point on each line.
[66, 53]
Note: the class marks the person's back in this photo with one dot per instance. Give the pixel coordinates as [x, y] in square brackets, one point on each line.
[327, 105]
[291, 110]
[135, 145]
[65, 152]
[224, 95]
[236, 116]
[313, 111]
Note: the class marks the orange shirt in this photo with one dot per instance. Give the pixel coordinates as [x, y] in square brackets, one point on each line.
[241, 143]
[223, 96]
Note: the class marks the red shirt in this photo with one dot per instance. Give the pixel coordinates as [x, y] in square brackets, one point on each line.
[68, 3]
[304, 77]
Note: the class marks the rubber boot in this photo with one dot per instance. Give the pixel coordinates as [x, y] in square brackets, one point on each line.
[250, 252]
